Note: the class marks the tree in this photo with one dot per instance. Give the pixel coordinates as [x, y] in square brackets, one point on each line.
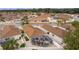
[59, 22]
[75, 24]
[23, 45]
[72, 40]
[72, 37]
[10, 44]
[24, 20]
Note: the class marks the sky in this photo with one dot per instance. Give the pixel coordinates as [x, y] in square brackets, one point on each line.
[38, 3]
[11, 8]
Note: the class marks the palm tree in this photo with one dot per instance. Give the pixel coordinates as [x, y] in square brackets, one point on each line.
[23, 45]
[10, 44]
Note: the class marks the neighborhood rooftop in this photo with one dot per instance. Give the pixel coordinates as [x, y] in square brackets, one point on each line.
[40, 18]
[31, 31]
[55, 30]
[36, 29]
[8, 31]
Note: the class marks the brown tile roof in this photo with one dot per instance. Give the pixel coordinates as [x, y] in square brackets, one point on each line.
[63, 16]
[41, 17]
[30, 31]
[37, 32]
[8, 31]
[12, 15]
[57, 31]
[68, 26]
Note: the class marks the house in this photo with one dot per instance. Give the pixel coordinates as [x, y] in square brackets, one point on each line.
[55, 30]
[32, 16]
[68, 26]
[31, 31]
[43, 18]
[43, 41]
[76, 17]
[63, 17]
[1, 48]
[9, 31]
[12, 15]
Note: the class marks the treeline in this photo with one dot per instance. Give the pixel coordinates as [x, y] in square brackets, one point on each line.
[47, 10]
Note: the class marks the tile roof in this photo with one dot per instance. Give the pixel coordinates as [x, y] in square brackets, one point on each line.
[57, 31]
[68, 26]
[31, 31]
[12, 15]
[63, 16]
[8, 31]
[40, 18]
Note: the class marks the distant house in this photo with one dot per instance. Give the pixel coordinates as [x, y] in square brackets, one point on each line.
[61, 17]
[32, 16]
[68, 26]
[44, 18]
[76, 17]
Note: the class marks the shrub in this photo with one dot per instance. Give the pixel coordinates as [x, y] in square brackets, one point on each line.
[23, 45]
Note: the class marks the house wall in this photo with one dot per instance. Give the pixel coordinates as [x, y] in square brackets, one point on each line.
[76, 18]
[1, 48]
[16, 36]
